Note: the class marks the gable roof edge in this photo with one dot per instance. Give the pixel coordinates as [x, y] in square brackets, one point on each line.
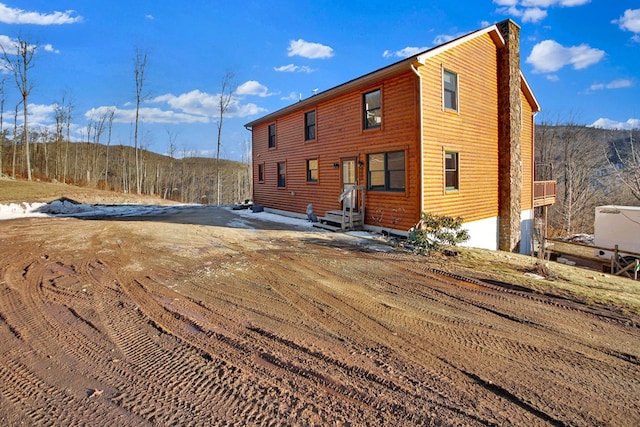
[492, 30]
[390, 70]
[528, 93]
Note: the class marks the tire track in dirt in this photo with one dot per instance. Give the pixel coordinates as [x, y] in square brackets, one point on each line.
[291, 285]
[572, 372]
[290, 331]
[483, 341]
[47, 343]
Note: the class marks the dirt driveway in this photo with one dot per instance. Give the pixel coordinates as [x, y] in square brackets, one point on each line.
[209, 318]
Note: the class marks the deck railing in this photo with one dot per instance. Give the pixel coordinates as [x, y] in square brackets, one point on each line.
[544, 193]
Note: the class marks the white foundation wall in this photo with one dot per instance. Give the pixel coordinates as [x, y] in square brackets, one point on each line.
[526, 232]
[484, 233]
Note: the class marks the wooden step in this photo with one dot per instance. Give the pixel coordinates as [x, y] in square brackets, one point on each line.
[338, 218]
[326, 226]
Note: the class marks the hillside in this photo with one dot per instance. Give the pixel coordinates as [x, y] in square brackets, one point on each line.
[592, 167]
[95, 165]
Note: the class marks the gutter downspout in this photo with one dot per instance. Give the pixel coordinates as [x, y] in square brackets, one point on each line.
[421, 167]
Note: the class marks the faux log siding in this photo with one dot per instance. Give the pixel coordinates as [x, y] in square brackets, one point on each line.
[473, 131]
[339, 135]
[527, 154]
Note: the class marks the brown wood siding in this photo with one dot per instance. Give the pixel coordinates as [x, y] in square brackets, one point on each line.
[472, 131]
[339, 135]
[527, 154]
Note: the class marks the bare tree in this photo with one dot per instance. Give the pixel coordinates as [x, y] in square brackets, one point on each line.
[109, 116]
[626, 164]
[19, 63]
[565, 153]
[139, 68]
[63, 122]
[224, 100]
[15, 141]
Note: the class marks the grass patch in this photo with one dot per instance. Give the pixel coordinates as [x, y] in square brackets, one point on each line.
[18, 191]
[587, 286]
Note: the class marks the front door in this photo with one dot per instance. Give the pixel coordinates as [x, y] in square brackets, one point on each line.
[349, 177]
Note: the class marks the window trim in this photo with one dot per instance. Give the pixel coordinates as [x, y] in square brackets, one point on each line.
[272, 143]
[456, 187]
[283, 176]
[261, 171]
[307, 126]
[387, 172]
[456, 91]
[365, 110]
[317, 169]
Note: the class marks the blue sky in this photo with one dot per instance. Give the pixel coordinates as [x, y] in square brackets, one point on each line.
[581, 58]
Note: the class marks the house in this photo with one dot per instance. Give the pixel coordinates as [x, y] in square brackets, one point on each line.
[448, 131]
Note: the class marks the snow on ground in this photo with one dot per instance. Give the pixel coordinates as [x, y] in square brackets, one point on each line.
[268, 216]
[67, 208]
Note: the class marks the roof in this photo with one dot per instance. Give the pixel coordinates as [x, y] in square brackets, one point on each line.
[396, 69]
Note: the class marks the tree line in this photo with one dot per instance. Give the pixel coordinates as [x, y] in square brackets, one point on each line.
[592, 167]
[112, 167]
[49, 154]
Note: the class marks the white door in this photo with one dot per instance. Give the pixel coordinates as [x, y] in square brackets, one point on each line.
[349, 177]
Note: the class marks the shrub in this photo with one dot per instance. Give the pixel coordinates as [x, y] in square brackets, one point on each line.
[433, 232]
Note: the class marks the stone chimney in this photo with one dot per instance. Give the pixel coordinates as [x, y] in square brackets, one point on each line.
[509, 138]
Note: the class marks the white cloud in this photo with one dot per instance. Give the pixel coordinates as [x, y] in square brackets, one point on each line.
[10, 15]
[534, 15]
[309, 50]
[10, 46]
[150, 17]
[612, 124]
[551, 3]
[630, 21]
[549, 56]
[252, 87]
[615, 84]
[533, 10]
[147, 115]
[39, 114]
[194, 102]
[192, 107]
[291, 68]
[49, 48]
[204, 106]
[404, 53]
[293, 96]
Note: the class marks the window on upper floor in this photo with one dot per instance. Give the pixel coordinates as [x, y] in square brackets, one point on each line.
[386, 171]
[282, 174]
[450, 87]
[310, 125]
[260, 172]
[272, 135]
[451, 171]
[372, 110]
[312, 170]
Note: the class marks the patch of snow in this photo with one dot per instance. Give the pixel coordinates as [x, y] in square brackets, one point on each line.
[67, 208]
[22, 210]
[267, 216]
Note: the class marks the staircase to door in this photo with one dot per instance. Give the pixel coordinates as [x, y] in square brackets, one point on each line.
[352, 200]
